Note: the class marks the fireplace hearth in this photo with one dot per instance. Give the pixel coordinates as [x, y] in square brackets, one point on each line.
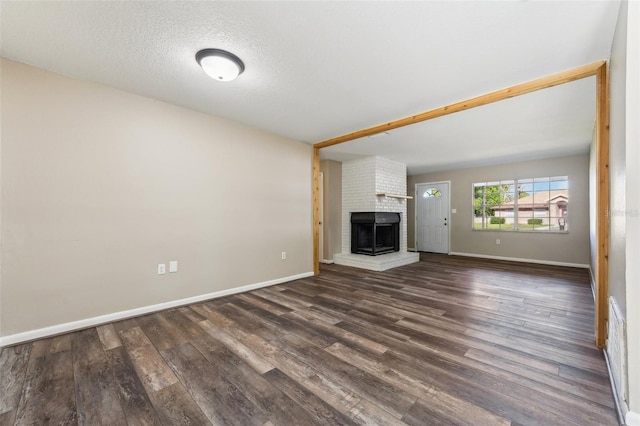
[375, 233]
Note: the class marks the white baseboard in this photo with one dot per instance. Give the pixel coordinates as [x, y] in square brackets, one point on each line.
[621, 407]
[411, 249]
[26, 336]
[632, 419]
[327, 261]
[518, 259]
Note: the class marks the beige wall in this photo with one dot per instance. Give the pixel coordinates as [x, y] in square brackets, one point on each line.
[572, 247]
[99, 186]
[593, 188]
[332, 208]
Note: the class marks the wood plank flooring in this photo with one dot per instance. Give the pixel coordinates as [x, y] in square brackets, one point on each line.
[446, 341]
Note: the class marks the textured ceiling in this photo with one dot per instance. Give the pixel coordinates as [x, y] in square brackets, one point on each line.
[316, 70]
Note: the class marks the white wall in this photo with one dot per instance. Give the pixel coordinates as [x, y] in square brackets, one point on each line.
[1, 315]
[617, 169]
[624, 251]
[633, 203]
[633, 208]
[99, 186]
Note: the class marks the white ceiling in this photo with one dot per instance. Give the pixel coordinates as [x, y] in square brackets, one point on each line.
[316, 70]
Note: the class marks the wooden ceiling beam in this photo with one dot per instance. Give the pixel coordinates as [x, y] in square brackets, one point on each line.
[499, 95]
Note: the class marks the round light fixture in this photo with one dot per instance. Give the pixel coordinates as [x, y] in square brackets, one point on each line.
[220, 64]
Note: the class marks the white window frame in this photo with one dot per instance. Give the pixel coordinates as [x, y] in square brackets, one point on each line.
[513, 212]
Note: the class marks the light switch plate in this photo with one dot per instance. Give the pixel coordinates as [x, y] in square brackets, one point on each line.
[173, 266]
[161, 268]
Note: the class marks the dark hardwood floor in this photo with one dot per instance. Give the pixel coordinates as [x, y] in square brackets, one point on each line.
[448, 340]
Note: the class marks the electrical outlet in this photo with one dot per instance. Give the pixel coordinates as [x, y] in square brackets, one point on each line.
[173, 266]
[498, 241]
[162, 268]
[284, 255]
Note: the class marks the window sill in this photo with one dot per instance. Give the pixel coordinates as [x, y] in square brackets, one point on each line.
[525, 231]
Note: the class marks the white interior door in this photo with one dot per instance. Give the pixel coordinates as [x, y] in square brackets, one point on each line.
[432, 217]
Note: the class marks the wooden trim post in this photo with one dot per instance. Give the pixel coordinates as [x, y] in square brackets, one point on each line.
[316, 210]
[602, 205]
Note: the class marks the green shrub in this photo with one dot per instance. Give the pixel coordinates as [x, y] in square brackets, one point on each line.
[497, 220]
[534, 221]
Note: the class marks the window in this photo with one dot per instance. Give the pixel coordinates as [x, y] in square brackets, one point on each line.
[535, 204]
[431, 192]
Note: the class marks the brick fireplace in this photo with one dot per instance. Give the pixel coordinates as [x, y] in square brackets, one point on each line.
[363, 182]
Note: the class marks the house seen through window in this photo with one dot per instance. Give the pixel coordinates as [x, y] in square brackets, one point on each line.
[533, 204]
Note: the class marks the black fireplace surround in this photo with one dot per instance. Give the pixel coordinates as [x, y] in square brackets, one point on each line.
[374, 233]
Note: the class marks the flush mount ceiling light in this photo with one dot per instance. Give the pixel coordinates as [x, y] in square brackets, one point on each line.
[220, 64]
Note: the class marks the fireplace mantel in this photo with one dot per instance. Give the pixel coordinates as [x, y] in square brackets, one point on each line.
[387, 195]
